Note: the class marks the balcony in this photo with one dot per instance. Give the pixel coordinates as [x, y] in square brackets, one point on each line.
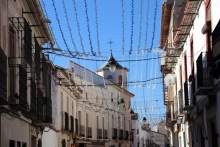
[125, 135]
[120, 132]
[3, 78]
[114, 134]
[18, 96]
[204, 81]
[32, 113]
[105, 133]
[99, 133]
[81, 130]
[184, 14]
[65, 121]
[89, 132]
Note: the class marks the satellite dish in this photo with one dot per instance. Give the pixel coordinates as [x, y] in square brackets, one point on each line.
[169, 79]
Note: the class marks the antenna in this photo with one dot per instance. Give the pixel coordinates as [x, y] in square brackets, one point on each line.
[169, 79]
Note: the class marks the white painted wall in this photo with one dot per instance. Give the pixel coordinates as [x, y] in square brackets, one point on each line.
[50, 138]
[14, 129]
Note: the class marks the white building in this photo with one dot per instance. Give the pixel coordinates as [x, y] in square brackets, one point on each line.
[89, 110]
[25, 102]
[143, 136]
[190, 37]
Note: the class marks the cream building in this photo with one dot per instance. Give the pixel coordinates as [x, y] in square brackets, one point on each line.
[25, 102]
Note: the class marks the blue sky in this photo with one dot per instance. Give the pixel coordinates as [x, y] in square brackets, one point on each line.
[148, 101]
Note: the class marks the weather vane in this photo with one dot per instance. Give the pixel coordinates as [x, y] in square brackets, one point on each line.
[110, 43]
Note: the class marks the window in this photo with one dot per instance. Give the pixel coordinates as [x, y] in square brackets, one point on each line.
[110, 78]
[18, 144]
[11, 143]
[120, 80]
[24, 144]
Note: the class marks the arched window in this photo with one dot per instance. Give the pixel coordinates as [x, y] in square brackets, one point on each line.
[120, 80]
[110, 78]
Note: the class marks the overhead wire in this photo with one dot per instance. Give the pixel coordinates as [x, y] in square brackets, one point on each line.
[78, 28]
[97, 27]
[154, 25]
[88, 28]
[132, 26]
[60, 28]
[68, 26]
[123, 26]
[140, 27]
[52, 31]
